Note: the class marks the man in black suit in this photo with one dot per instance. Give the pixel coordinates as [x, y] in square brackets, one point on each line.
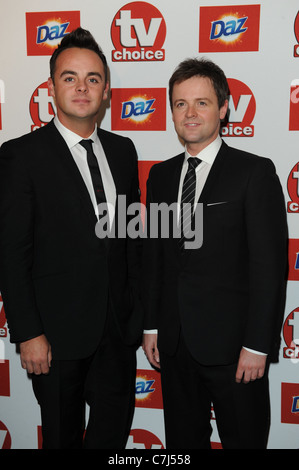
[216, 306]
[70, 296]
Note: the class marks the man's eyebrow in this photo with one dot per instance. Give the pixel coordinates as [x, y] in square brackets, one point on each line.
[90, 74]
[196, 99]
[68, 72]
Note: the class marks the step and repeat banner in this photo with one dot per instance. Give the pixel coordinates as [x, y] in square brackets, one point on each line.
[257, 45]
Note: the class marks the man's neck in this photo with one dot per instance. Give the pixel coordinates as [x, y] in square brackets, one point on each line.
[82, 127]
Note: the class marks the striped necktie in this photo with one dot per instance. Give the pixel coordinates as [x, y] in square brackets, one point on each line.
[187, 201]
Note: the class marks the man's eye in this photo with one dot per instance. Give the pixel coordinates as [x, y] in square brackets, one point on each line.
[69, 79]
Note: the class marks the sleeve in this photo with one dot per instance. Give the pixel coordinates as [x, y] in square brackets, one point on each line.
[16, 245]
[134, 243]
[152, 266]
[266, 229]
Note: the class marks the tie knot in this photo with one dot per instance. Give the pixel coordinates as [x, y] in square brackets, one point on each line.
[86, 143]
[193, 162]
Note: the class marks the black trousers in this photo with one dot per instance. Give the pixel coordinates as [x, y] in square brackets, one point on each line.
[105, 381]
[242, 411]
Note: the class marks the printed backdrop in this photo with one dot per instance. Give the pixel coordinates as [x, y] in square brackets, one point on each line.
[257, 45]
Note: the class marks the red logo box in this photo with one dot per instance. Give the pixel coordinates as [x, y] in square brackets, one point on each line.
[138, 109]
[294, 106]
[4, 378]
[45, 30]
[232, 28]
[293, 259]
[148, 391]
[290, 403]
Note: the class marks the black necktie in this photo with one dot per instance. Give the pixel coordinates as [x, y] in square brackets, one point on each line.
[94, 171]
[187, 200]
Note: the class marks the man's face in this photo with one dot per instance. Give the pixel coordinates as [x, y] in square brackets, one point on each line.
[196, 114]
[79, 87]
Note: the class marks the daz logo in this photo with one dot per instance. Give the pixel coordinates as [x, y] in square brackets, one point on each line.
[296, 30]
[45, 30]
[293, 189]
[293, 259]
[242, 107]
[229, 28]
[42, 107]
[148, 392]
[138, 33]
[294, 106]
[290, 403]
[138, 109]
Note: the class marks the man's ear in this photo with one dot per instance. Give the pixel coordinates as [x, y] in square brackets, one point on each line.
[106, 90]
[223, 110]
[51, 87]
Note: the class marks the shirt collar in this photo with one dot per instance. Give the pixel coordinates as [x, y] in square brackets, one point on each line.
[69, 136]
[209, 153]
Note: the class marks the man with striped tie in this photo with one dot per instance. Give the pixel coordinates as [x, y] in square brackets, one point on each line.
[213, 313]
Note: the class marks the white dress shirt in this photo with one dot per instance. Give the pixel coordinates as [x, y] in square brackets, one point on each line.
[79, 154]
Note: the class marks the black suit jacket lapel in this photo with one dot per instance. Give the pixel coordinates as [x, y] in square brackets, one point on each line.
[211, 183]
[214, 175]
[60, 151]
[174, 192]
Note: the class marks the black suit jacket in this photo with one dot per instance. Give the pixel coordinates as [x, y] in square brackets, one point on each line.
[229, 292]
[56, 275]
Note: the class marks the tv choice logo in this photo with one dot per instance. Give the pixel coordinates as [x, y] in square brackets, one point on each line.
[290, 403]
[291, 336]
[138, 109]
[5, 438]
[142, 439]
[148, 391]
[293, 189]
[296, 31]
[229, 28]
[294, 106]
[42, 107]
[138, 32]
[3, 329]
[45, 30]
[242, 108]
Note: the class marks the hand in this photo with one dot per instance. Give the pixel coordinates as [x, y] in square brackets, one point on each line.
[36, 355]
[149, 346]
[251, 366]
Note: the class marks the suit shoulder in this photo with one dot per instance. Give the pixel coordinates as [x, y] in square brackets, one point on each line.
[111, 136]
[167, 165]
[247, 159]
[25, 140]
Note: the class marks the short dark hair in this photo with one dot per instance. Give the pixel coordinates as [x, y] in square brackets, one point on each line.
[202, 68]
[82, 39]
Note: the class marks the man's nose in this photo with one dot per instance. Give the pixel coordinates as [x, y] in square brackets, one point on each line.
[191, 111]
[82, 87]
